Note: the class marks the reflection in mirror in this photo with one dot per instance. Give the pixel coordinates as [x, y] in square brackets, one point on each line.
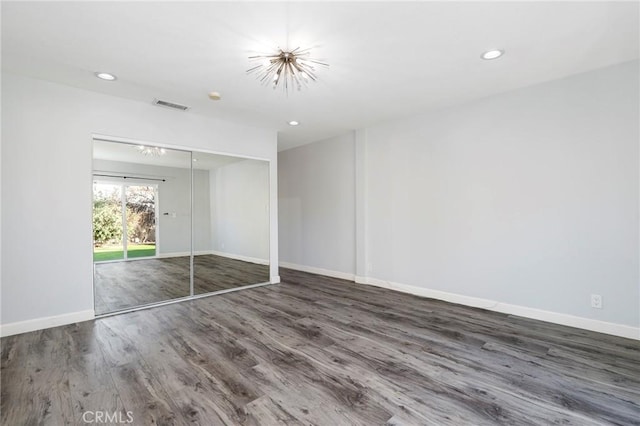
[141, 225]
[231, 222]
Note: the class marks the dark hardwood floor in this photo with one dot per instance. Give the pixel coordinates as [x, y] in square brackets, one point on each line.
[317, 350]
[214, 273]
[127, 284]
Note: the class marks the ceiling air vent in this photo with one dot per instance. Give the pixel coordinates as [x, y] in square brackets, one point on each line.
[170, 105]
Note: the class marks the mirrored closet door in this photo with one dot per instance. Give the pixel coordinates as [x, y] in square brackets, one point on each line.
[171, 224]
[141, 225]
[230, 222]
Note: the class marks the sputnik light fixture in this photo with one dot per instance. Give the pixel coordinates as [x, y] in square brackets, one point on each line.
[153, 151]
[289, 69]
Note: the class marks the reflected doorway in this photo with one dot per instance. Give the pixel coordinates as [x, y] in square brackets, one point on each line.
[124, 221]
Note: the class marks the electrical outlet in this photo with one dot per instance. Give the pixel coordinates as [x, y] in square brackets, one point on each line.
[596, 301]
[369, 267]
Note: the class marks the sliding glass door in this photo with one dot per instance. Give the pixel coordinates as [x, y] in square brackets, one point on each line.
[124, 221]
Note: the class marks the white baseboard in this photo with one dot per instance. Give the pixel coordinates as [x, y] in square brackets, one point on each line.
[620, 330]
[175, 254]
[241, 257]
[46, 322]
[276, 280]
[319, 271]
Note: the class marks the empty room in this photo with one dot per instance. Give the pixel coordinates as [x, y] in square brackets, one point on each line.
[320, 213]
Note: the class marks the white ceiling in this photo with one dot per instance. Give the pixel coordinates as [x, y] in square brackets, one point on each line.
[387, 59]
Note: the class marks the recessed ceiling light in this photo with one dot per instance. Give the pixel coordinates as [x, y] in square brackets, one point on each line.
[492, 54]
[293, 123]
[214, 96]
[195, 159]
[106, 76]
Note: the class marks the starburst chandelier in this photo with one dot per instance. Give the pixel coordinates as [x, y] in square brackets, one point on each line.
[289, 69]
[153, 151]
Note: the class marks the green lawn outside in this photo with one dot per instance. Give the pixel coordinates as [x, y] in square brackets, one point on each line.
[100, 254]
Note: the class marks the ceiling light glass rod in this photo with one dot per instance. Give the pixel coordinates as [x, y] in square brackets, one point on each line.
[287, 69]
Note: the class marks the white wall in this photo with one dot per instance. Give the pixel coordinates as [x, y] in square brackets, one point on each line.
[528, 198]
[317, 205]
[240, 210]
[46, 185]
[202, 195]
[524, 199]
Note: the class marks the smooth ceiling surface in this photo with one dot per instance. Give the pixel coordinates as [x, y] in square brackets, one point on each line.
[387, 59]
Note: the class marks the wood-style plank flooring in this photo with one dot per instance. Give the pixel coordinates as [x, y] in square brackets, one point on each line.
[322, 351]
[127, 284]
